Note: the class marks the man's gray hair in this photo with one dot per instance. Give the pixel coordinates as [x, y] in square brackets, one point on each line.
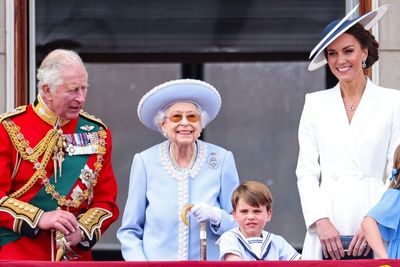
[52, 66]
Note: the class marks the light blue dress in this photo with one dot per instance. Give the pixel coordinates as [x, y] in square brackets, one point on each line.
[269, 247]
[152, 228]
[387, 214]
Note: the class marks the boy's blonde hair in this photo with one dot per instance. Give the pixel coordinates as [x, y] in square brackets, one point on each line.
[395, 179]
[254, 193]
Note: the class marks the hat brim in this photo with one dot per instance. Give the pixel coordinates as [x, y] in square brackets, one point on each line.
[367, 21]
[163, 95]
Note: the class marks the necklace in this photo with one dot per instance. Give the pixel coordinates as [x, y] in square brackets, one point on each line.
[192, 158]
[356, 98]
[353, 106]
[199, 161]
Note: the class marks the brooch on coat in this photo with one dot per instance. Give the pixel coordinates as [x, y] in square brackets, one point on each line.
[213, 161]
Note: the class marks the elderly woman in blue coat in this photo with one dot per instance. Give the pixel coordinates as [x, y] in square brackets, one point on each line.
[178, 171]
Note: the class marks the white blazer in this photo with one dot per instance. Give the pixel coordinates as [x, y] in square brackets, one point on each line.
[341, 166]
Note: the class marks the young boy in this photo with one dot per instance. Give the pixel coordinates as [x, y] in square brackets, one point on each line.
[252, 209]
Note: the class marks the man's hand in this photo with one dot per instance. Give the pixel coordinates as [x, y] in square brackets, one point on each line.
[60, 220]
[74, 238]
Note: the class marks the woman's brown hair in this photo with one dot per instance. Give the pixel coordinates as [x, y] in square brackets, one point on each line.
[366, 40]
[394, 180]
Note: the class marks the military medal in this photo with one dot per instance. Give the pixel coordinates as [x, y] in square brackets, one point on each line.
[86, 127]
[82, 143]
[87, 176]
[77, 193]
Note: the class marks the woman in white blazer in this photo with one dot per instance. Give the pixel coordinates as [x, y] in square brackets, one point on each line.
[347, 137]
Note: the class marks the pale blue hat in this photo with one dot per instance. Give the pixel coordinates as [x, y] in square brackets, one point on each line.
[336, 28]
[163, 95]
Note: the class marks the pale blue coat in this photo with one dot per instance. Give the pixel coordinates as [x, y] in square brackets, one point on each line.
[152, 228]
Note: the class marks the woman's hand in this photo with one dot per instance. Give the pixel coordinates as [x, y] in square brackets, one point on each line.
[330, 239]
[374, 237]
[358, 245]
[203, 212]
[60, 220]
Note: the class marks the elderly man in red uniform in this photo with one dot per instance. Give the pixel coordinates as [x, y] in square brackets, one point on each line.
[57, 186]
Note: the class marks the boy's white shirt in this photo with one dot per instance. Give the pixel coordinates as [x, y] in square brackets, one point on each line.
[271, 247]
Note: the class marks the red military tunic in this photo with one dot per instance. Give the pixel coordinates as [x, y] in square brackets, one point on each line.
[86, 187]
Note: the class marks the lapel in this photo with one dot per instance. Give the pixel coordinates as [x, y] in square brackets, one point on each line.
[366, 107]
[350, 132]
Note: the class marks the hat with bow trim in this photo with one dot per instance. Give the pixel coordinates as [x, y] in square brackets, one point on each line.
[183, 90]
[338, 27]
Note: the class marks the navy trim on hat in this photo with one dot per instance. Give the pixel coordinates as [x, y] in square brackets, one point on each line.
[337, 28]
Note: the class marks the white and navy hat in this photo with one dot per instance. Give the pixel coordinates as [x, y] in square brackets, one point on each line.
[163, 95]
[338, 27]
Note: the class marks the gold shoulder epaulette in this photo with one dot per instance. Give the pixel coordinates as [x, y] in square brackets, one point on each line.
[18, 110]
[92, 118]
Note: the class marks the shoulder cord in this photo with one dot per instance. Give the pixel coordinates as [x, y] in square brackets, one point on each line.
[17, 163]
[45, 147]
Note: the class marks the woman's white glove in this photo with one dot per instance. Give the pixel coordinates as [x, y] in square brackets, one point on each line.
[202, 212]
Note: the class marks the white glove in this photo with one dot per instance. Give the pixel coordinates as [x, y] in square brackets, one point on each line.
[202, 212]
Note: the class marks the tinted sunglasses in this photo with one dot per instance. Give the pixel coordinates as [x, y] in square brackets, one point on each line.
[189, 117]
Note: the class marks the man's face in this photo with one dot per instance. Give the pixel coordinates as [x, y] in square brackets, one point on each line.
[69, 98]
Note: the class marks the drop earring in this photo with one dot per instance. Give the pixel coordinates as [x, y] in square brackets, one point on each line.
[364, 64]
